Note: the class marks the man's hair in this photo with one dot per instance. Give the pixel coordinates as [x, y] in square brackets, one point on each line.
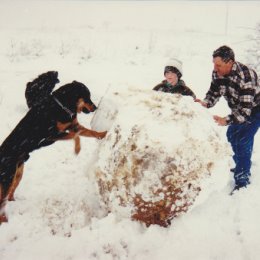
[225, 53]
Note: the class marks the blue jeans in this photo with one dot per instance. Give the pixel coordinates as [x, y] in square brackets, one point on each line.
[241, 138]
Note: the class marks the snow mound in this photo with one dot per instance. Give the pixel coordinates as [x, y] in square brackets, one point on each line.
[150, 166]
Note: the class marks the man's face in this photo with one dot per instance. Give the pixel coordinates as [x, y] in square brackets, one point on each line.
[171, 78]
[222, 68]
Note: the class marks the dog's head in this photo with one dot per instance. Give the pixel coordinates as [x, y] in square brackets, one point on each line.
[76, 96]
[84, 103]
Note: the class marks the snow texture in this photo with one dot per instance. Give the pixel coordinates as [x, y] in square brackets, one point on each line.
[121, 47]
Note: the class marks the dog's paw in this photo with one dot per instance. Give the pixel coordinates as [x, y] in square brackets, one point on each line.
[101, 135]
[11, 198]
[3, 218]
[77, 150]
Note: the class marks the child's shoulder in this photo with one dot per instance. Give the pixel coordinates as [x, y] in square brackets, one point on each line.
[182, 83]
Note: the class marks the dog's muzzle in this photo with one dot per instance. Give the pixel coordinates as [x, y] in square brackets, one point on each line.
[89, 108]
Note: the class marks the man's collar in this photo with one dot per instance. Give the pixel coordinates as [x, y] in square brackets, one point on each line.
[233, 69]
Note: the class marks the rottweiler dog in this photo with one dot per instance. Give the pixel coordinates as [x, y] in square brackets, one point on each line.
[54, 119]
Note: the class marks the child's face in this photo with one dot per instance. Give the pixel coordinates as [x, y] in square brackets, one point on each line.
[171, 78]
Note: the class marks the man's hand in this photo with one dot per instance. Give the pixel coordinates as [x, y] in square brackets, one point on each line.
[220, 120]
[204, 104]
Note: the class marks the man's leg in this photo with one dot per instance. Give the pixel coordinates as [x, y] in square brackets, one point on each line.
[232, 134]
[241, 137]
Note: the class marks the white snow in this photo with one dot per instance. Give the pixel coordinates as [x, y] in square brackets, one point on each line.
[113, 47]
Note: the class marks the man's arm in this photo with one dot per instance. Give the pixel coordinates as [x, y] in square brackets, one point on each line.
[204, 104]
[213, 95]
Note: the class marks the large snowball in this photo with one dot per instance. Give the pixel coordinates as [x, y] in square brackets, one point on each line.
[158, 149]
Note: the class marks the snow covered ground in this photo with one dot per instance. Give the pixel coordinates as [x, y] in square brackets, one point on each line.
[113, 46]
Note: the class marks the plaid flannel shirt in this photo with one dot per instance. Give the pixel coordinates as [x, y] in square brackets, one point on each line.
[241, 90]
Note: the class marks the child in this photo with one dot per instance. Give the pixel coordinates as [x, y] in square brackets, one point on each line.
[173, 83]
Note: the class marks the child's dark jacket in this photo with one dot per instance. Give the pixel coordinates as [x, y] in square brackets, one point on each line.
[179, 88]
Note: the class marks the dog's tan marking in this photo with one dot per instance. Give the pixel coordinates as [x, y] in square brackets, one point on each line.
[17, 178]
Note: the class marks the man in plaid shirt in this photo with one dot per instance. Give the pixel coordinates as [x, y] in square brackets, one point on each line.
[240, 87]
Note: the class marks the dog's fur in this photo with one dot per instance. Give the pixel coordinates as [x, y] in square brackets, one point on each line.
[55, 119]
